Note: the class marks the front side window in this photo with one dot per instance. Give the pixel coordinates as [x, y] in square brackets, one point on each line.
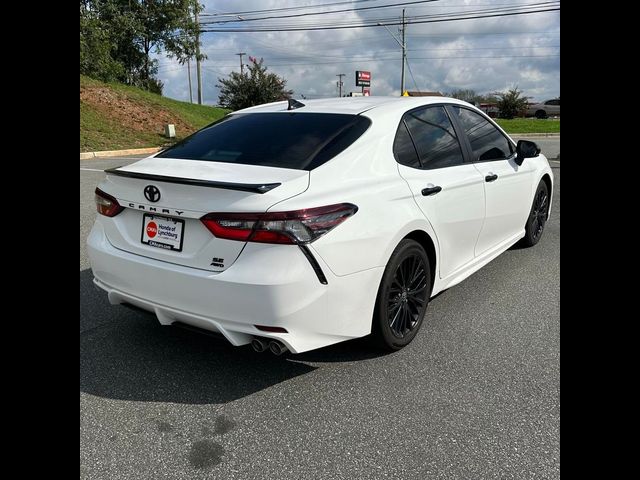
[434, 137]
[487, 142]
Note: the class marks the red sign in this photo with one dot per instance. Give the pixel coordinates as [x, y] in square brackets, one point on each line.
[363, 79]
[152, 229]
[366, 92]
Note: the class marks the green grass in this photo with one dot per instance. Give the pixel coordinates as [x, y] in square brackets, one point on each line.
[109, 127]
[529, 125]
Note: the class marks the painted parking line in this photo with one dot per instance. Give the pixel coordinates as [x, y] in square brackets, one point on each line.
[92, 169]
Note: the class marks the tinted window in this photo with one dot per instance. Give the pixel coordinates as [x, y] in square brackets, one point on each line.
[301, 141]
[403, 148]
[552, 102]
[487, 142]
[434, 137]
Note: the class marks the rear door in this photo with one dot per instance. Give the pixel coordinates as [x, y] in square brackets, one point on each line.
[507, 185]
[552, 107]
[449, 191]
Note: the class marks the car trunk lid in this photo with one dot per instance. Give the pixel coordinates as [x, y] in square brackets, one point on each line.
[164, 224]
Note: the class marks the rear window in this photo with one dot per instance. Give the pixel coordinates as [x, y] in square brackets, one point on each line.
[301, 141]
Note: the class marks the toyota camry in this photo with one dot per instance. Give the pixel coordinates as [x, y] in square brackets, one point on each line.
[292, 226]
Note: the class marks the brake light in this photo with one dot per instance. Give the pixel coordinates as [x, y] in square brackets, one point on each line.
[295, 227]
[106, 204]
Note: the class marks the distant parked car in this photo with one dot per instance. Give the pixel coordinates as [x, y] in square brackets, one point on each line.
[545, 109]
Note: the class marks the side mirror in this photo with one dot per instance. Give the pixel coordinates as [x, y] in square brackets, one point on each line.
[526, 149]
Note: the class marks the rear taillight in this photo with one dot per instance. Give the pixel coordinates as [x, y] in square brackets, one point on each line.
[106, 204]
[296, 227]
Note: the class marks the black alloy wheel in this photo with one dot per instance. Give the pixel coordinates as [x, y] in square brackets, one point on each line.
[402, 297]
[537, 217]
[407, 296]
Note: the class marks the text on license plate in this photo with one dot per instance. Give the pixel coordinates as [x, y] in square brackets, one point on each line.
[162, 232]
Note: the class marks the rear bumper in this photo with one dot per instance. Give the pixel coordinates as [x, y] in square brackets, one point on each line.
[272, 285]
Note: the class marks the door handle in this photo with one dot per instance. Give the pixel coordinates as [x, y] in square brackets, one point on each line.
[430, 191]
[490, 178]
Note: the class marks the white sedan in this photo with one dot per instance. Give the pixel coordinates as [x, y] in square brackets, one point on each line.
[293, 226]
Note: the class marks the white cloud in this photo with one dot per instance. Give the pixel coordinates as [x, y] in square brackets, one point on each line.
[528, 47]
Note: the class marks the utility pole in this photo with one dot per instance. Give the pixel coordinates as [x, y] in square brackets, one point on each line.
[198, 70]
[404, 54]
[190, 91]
[403, 45]
[340, 75]
[241, 65]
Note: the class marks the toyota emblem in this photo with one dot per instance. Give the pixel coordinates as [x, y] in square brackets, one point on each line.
[151, 193]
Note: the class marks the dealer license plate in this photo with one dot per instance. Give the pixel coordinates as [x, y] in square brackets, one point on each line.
[162, 232]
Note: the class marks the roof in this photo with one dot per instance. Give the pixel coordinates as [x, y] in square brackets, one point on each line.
[349, 105]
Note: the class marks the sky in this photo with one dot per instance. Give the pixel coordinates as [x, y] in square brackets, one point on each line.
[486, 55]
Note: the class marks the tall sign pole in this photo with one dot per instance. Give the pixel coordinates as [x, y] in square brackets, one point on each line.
[404, 54]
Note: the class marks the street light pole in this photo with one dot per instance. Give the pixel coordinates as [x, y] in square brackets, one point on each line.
[403, 46]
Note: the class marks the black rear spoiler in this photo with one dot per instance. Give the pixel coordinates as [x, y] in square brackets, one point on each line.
[244, 187]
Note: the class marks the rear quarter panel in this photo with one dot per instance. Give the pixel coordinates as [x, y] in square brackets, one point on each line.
[366, 174]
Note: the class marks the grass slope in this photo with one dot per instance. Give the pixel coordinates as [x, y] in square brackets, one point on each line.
[529, 125]
[115, 116]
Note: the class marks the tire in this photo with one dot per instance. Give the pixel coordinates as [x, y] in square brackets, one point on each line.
[405, 289]
[537, 219]
[541, 114]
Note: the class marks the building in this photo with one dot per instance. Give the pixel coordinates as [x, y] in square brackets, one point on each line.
[423, 94]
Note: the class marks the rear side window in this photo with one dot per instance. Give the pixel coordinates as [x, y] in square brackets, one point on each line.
[487, 142]
[301, 141]
[403, 148]
[434, 137]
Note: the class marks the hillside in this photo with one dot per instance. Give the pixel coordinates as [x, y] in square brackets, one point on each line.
[115, 116]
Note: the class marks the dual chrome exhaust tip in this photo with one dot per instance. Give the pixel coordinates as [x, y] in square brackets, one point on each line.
[260, 344]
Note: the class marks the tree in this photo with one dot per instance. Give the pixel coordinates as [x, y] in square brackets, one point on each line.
[252, 88]
[163, 25]
[96, 46]
[511, 103]
[117, 38]
[464, 94]
[471, 96]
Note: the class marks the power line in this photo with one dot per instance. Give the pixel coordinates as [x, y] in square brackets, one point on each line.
[357, 9]
[377, 59]
[318, 5]
[356, 57]
[291, 28]
[493, 9]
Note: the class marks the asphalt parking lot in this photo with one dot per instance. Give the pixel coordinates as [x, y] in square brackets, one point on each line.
[476, 395]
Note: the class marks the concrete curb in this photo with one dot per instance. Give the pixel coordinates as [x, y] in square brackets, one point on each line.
[117, 153]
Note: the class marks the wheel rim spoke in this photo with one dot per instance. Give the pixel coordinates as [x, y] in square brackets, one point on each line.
[407, 295]
[539, 215]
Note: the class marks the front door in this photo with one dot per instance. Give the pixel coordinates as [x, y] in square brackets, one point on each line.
[507, 185]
